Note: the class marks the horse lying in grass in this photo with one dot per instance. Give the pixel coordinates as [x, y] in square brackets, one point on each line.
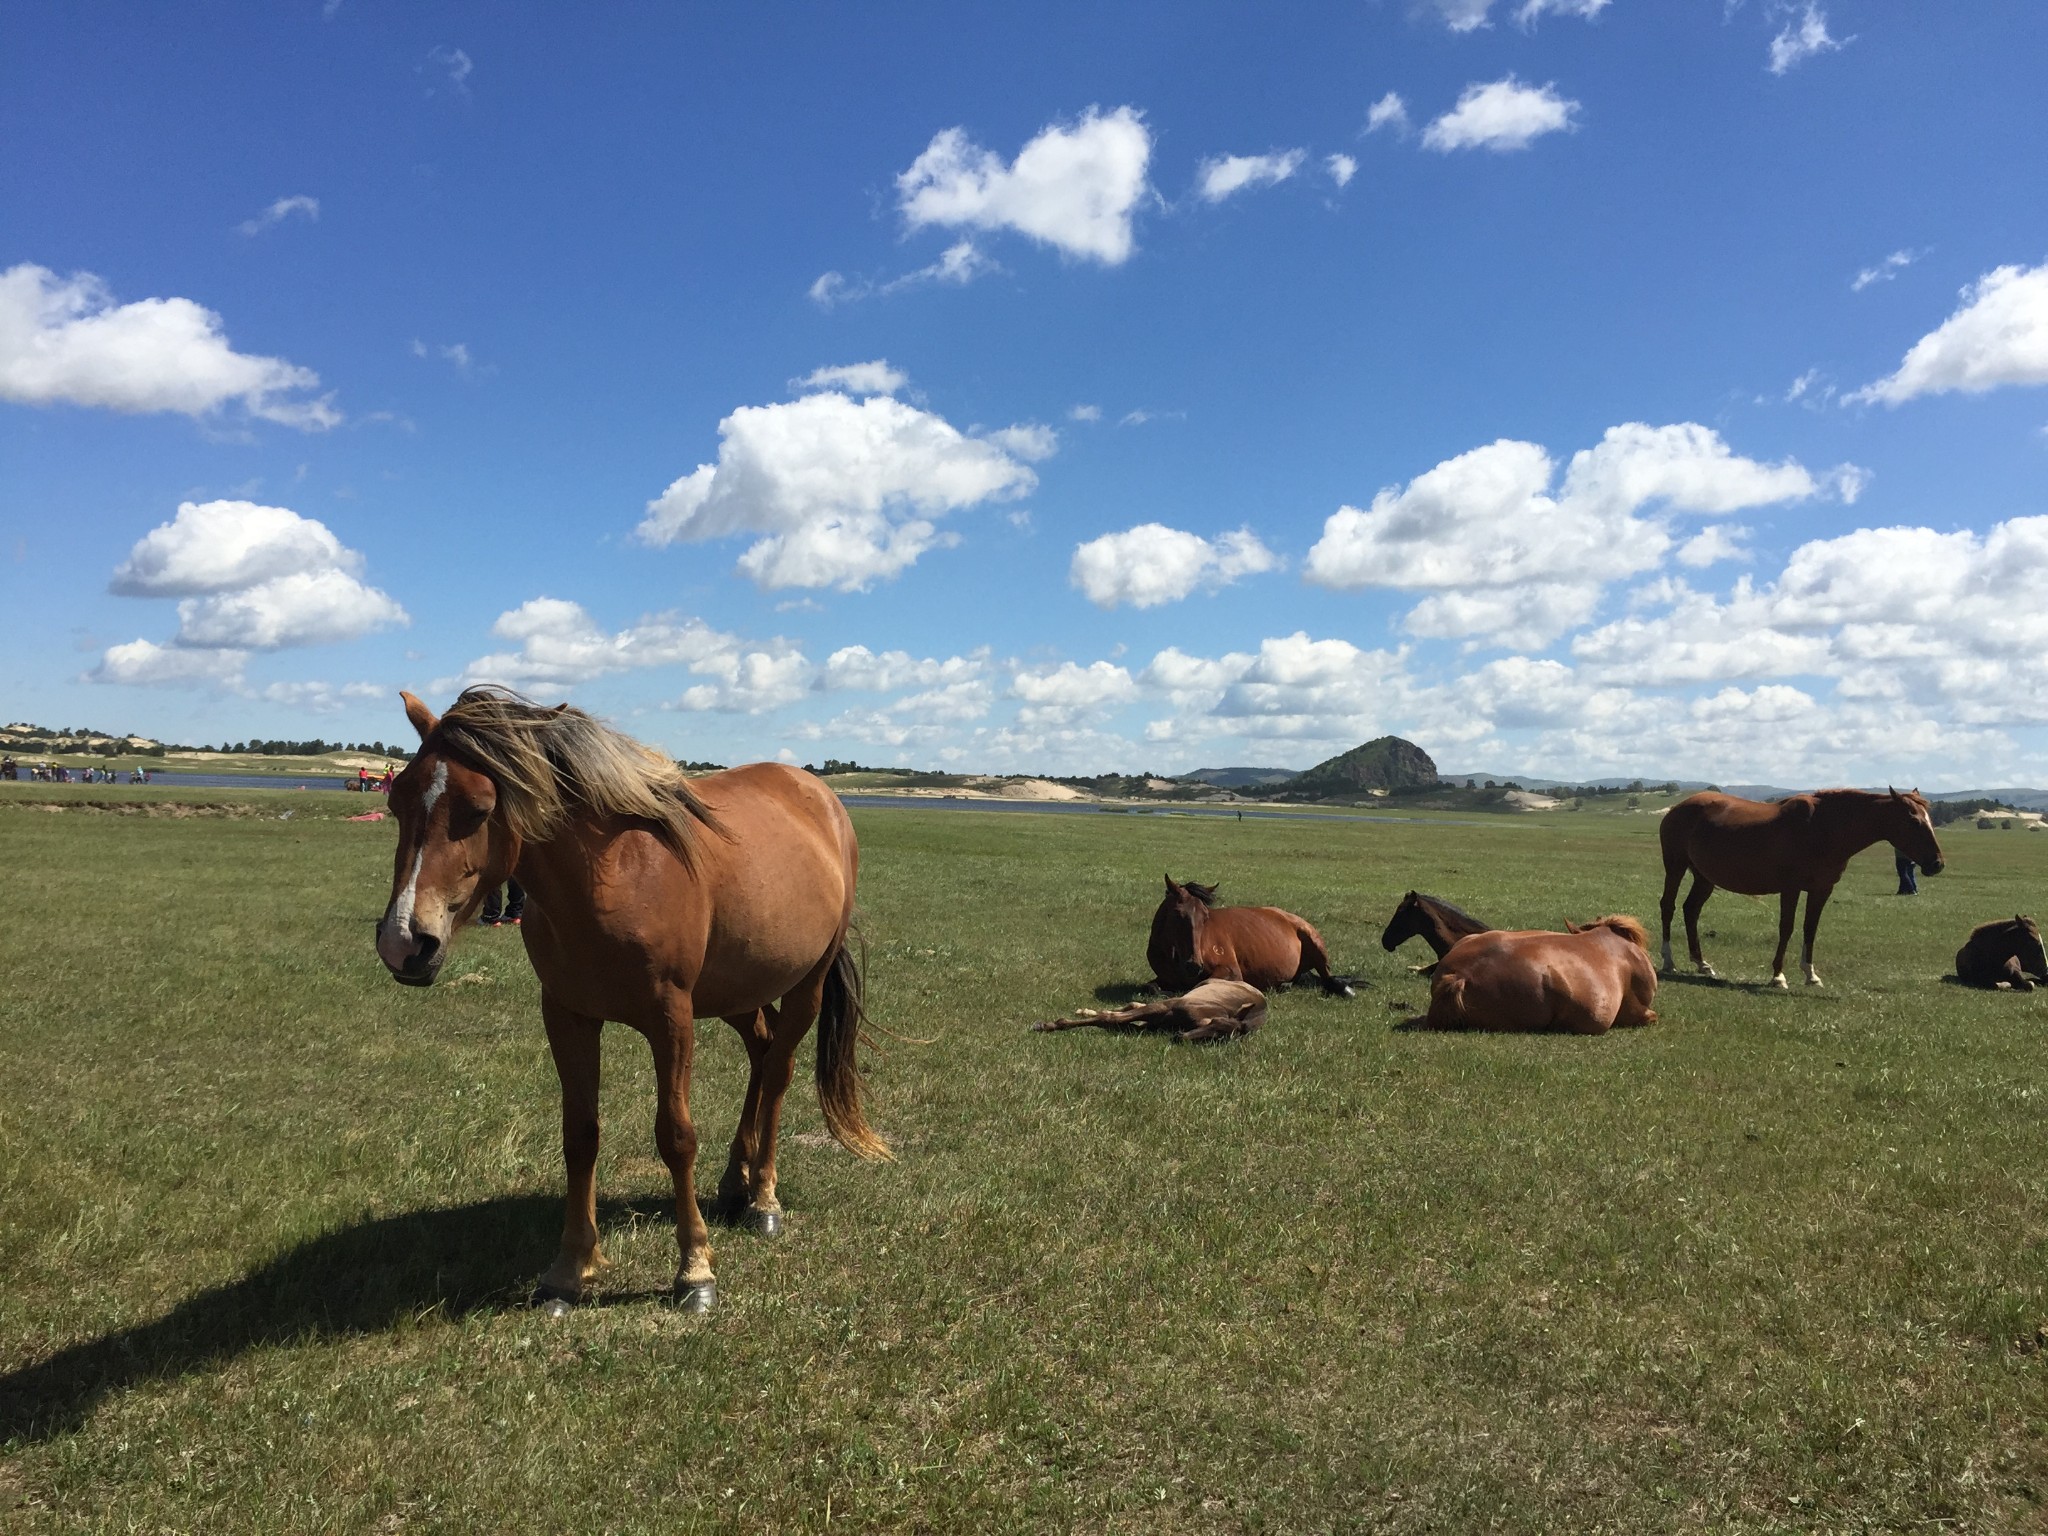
[1214, 1010]
[653, 900]
[2003, 952]
[1782, 847]
[1587, 980]
[1194, 940]
[1435, 921]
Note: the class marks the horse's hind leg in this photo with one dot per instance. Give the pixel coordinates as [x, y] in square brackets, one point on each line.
[573, 1040]
[1674, 876]
[1315, 959]
[791, 1020]
[1696, 898]
[2015, 976]
[756, 1031]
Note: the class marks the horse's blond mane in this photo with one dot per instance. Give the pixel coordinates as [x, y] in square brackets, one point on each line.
[550, 763]
[1628, 927]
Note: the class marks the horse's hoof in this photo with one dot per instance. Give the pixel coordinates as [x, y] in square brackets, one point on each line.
[1815, 981]
[1781, 983]
[550, 1302]
[696, 1297]
[765, 1223]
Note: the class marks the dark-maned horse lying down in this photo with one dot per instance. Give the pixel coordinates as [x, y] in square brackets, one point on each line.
[1194, 940]
[1782, 847]
[1214, 1010]
[1435, 921]
[2008, 952]
[1588, 981]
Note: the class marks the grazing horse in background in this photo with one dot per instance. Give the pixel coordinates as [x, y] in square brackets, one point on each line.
[1782, 847]
[1214, 1010]
[2008, 952]
[1435, 921]
[653, 900]
[1194, 940]
[1588, 980]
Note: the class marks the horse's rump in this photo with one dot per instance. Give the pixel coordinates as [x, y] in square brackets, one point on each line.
[1587, 980]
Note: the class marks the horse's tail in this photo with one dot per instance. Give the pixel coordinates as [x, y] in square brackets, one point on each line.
[840, 1090]
[1628, 927]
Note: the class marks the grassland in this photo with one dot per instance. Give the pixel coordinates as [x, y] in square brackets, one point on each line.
[1775, 1263]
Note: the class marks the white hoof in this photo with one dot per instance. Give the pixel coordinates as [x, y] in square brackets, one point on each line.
[1813, 979]
[1781, 983]
[1708, 971]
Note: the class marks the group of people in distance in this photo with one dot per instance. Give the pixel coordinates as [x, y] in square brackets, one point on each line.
[369, 782]
[57, 773]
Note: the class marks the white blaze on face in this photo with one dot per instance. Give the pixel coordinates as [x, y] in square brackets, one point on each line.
[397, 930]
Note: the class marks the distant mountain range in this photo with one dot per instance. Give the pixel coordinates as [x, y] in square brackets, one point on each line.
[1370, 765]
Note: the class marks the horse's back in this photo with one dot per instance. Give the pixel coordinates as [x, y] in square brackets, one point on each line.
[1532, 979]
[1756, 847]
[1271, 945]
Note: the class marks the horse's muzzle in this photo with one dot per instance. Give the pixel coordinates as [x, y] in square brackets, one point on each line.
[1935, 868]
[418, 965]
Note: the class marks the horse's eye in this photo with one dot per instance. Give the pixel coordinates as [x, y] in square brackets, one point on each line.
[465, 821]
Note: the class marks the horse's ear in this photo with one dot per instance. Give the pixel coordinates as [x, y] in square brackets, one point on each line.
[423, 719]
[1170, 885]
[1895, 794]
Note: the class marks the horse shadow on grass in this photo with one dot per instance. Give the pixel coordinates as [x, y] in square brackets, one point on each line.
[1121, 994]
[352, 1282]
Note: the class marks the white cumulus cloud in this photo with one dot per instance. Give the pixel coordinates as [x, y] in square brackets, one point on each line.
[1153, 564]
[1509, 556]
[65, 340]
[1998, 336]
[1067, 692]
[1341, 168]
[1219, 177]
[1075, 187]
[1390, 111]
[838, 492]
[1884, 271]
[875, 378]
[1470, 15]
[1501, 115]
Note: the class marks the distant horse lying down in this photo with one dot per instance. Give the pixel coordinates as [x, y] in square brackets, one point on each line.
[1215, 1010]
[1435, 921]
[2007, 952]
[1587, 981]
[1194, 940]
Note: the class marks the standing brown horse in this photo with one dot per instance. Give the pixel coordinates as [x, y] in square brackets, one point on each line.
[1799, 843]
[652, 900]
[1194, 940]
[1587, 981]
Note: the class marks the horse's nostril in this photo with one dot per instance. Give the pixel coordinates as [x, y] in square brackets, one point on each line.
[423, 956]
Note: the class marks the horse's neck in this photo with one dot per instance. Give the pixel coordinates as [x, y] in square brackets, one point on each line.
[1852, 823]
[1451, 926]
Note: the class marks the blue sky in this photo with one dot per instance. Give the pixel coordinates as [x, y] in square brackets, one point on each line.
[1572, 386]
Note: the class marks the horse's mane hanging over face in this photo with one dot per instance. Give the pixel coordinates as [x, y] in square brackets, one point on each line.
[1628, 927]
[549, 763]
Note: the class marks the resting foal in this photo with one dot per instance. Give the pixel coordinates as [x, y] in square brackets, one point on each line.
[1215, 1010]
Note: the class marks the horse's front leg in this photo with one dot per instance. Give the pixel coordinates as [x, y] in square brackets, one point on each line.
[673, 1037]
[1788, 911]
[573, 1041]
[1815, 900]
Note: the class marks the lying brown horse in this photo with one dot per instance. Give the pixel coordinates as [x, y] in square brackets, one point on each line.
[1194, 940]
[1214, 1010]
[653, 900]
[1435, 921]
[2008, 952]
[1782, 847]
[1588, 980]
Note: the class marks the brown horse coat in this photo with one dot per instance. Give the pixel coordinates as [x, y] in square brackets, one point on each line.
[1194, 941]
[1782, 847]
[1214, 1010]
[2008, 951]
[1588, 981]
[652, 901]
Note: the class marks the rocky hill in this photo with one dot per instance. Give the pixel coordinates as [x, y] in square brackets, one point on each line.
[1389, 763]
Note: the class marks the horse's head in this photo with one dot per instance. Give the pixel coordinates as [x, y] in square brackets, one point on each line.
[1177, 924]
[1404, 924]
[1912, 830]
[2027, 945]
[452, 850]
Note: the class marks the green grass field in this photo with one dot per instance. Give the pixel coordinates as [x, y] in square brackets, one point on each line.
[1775, 1263]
